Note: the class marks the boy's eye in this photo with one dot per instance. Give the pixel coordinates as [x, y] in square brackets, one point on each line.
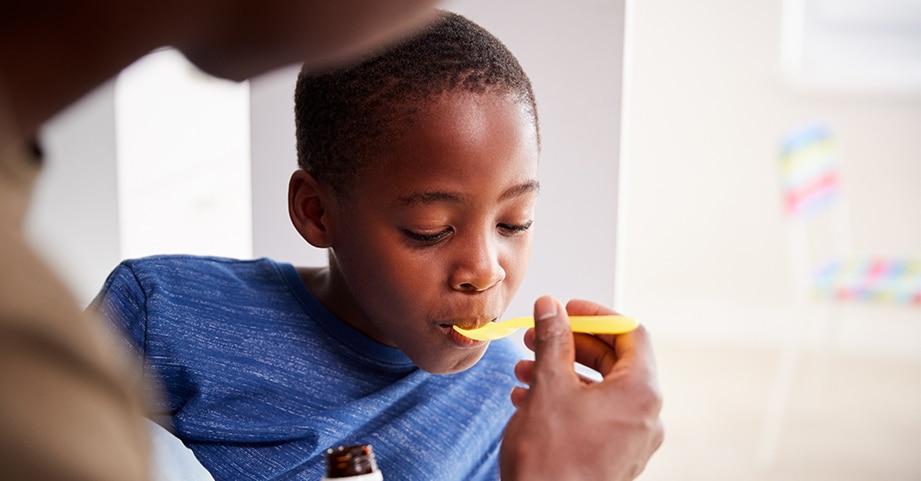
[427, 238]
[431, 238]
[512, 229]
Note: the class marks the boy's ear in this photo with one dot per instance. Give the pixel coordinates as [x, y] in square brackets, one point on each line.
[308, 206]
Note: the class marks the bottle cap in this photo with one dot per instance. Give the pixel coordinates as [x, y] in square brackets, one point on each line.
[355, 462]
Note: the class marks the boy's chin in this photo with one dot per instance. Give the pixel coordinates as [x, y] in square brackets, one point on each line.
[445, 366]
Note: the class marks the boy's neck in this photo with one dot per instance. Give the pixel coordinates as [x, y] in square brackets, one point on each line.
[328, 289]
[316, 280]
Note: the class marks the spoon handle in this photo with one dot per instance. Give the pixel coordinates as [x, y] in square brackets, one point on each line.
[603, 324]
[607, 324]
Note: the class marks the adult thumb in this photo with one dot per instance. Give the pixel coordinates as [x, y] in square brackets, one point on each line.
[554, 350]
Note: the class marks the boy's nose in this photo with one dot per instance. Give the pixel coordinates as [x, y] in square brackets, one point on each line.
[477, 269]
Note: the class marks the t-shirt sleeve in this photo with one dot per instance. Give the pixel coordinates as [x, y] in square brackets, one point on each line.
[122, 302]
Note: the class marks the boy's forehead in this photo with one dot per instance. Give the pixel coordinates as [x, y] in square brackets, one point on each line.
[456, 118]
[451, 145]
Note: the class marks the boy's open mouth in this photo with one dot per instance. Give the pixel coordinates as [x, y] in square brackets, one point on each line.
[459, 339]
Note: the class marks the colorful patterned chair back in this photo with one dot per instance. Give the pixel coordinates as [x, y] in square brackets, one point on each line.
[809, 172]
[811, 188]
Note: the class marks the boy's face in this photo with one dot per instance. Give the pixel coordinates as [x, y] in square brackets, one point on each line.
[438, 233]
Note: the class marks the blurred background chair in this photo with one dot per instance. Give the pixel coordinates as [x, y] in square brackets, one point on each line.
[823, 262]
[826, 272]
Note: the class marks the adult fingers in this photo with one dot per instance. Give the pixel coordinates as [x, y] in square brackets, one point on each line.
[529, 338]
[607, 354]
[633, 351]
[582, 307]
[635, 370]
[519, 396]
[524, 371]
[603, 352]
[594, 352]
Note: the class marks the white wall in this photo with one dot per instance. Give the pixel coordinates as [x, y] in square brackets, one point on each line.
[572, 52]
[73, 220]
[183, 160]
[274, 159]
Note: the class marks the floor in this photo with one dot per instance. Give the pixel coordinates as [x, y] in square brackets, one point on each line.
[759, 412]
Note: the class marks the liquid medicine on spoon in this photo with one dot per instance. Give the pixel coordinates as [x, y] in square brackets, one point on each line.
[352, 463]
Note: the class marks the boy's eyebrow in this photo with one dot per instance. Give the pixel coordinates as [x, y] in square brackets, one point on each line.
[521, 189]
[431, 197]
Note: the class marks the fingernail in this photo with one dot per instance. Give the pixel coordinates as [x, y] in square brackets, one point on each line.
[546, 307]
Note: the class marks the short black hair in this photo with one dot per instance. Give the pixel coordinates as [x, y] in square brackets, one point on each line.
[344, 115]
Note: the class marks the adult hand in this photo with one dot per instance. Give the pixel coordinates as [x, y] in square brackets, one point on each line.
[571, 428]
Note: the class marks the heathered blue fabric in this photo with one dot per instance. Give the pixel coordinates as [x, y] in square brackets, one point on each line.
[260, 378]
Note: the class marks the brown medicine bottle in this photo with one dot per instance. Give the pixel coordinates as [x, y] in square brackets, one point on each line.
[352, 463]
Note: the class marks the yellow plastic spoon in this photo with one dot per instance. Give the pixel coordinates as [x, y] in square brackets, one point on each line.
[607, 324]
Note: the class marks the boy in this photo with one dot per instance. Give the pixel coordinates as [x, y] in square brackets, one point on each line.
[418, 173]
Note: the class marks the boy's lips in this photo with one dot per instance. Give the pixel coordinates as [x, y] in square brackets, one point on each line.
[468, 324]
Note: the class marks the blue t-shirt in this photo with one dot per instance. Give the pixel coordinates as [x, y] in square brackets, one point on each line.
[259, 378]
